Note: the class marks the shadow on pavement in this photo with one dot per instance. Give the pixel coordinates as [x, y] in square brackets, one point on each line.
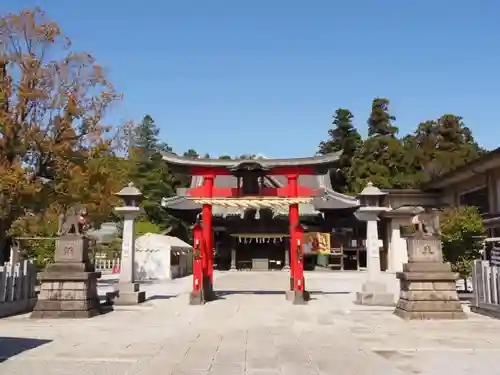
[272, 292]
[11, 346]
[160, 297]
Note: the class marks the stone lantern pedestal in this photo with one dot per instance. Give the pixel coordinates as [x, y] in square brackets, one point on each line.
[428, 286]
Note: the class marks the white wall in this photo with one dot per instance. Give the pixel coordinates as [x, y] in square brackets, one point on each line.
[398, 253]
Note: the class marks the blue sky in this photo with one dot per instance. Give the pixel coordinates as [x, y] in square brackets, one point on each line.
[264, 76]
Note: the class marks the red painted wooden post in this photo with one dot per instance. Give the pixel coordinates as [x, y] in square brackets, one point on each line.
[294, 221]
[198, 249]
[299, 258]
[208, 234]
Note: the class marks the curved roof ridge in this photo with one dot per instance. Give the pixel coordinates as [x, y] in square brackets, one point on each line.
[342, 197]
[181, 161]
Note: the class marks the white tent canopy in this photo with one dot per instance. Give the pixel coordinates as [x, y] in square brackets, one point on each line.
[154, 254]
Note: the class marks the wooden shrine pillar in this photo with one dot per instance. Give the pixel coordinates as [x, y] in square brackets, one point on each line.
[297, 294]
[299, 259]
[197, 295]
[294, 221]
[208, 238]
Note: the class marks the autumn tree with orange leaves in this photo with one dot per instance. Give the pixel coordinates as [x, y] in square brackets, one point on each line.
[55, 150]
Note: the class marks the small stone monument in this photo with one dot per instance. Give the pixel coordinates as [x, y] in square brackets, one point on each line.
[428, 286]
[69, 285]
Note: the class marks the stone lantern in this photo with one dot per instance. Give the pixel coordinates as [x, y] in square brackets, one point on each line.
[131, 196]
[371, 196]
[374, 290]
[129, 293]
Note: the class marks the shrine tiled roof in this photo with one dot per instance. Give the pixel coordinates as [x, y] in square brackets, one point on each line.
[320, 163]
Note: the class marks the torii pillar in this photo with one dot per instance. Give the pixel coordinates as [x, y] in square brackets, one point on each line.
[197, 296]
[208, 267]
[297, 293]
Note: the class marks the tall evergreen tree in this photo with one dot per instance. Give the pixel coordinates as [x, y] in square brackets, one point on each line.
[380, 121]
[145, 139]
[150, 173]
[343, 137]
[381, 159]
[439, 146]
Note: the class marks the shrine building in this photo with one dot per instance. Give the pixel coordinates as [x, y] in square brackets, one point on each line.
[254, 203]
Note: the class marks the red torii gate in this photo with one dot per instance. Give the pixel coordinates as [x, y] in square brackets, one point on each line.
[292, 194]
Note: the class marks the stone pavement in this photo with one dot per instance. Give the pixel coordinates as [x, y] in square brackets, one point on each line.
[251, 329]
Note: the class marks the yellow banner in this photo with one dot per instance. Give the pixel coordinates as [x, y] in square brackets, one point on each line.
[317, 242]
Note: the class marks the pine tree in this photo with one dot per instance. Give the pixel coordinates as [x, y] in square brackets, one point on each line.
[343, 137]
[145, 139]
[380, 121]
[439, 146]
[381, 159]
[150, 173]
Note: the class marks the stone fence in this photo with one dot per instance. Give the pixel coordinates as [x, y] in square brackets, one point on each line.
[17, 288]
[486, 285]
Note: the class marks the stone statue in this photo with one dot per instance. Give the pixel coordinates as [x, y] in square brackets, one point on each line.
[69, 283]
[426, 223]
[428, 288]
[417, 224]
[73, 223]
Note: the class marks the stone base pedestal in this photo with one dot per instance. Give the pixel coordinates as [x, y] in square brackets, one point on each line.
[205, 294]
[428, 291]
[67, 294]
[69, 285]
[374, 293]
[297, 298]
[208, 289]
[129, 294]
[196, 298]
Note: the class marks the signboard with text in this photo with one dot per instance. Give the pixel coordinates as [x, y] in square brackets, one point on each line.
[316, 242]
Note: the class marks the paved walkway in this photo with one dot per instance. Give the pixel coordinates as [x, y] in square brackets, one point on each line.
[251, 329]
